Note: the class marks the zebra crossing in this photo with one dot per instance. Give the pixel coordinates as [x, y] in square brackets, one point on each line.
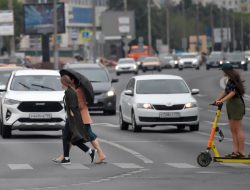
[80, 166]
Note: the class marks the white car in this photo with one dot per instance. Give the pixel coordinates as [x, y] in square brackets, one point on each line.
[151, 100]
[32, 100]
[126, 65]
[189, 60]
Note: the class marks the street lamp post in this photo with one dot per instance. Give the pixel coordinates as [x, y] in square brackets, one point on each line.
[168, 25]
[56, 66]
[12, 38]
[149, 24]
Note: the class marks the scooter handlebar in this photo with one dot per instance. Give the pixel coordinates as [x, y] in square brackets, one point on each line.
[218, 105]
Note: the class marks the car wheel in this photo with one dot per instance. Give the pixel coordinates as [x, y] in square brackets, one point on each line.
[123, 124]
[180, 68]
[117, 74]
[159, 69]
[180, 127]
[194, 127]
[144, 70]
[197, 68]
[245, 68]
[136, 72]
[207, 67]
[6, 131]
[135, 127]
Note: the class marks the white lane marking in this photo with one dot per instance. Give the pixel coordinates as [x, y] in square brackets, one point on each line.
[75, 166]
[127, 165]
[181, 165]
[134, 153]
[219, 124]
[210, 172]
[20, 167]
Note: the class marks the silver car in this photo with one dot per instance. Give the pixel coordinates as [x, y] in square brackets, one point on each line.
[126, 65]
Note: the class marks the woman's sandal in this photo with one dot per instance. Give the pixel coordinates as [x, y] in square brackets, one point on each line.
[240, 155]
[233, 154]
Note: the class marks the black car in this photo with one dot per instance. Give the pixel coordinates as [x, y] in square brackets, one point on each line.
[238, 60]
[105, 97]
[214, 60]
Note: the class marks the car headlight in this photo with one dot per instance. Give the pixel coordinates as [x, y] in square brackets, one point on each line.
[181, 62]
[243, 62]
[11, 101]
[110, 93]
[195, 62]
[116, 67]
[145, 106]
[134, 66]
[190, 105]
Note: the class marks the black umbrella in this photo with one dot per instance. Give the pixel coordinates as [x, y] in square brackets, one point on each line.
[82, 82]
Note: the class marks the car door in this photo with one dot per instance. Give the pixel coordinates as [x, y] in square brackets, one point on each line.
[127, 101]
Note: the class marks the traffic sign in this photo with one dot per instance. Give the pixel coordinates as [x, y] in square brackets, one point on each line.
[86, 35]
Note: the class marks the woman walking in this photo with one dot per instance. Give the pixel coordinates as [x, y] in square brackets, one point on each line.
[82, 103]
[74, 132]
[235, 106]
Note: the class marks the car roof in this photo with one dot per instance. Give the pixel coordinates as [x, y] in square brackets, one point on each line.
[84, 65]
[37, 72]
[160, 76]
[129, 59]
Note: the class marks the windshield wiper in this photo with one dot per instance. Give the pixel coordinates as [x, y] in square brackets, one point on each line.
[24, 85]
[41, 86]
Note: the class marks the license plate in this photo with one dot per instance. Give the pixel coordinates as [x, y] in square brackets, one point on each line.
[40, 116]
[169, 114]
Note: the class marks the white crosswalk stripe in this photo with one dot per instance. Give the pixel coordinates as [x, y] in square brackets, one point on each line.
[75, 166]
[127, 165]
[20, 167]
[181, 165]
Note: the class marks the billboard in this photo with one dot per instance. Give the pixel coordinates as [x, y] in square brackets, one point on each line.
[38, 18]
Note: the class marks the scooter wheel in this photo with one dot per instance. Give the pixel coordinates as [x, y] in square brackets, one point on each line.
[204, 159]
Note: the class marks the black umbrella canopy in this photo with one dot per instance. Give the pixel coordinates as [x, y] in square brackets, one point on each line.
[82, 82]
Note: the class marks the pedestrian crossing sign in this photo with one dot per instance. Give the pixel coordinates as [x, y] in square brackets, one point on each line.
[86, 35]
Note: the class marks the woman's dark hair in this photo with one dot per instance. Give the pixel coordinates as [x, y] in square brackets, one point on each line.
[235, 77]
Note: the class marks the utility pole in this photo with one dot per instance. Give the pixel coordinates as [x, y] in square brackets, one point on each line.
[168, 25]
[197, 27]
[56, 66]
[94, 32]
[125, 5]
[221, 30]
[12, 38]
[241, 32]
[233, 20]
[212, 25]
[149, 24]
[184, 40]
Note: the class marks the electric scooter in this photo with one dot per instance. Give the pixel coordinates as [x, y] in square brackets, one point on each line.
[205, 158]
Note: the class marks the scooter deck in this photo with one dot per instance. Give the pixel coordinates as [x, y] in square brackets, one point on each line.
[232, 160]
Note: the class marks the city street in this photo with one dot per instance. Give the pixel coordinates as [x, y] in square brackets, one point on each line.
[157, 158]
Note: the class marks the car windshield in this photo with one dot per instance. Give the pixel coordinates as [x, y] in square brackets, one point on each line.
[161, 86]
[235, 56]
[36, 83]
[215, 57]
[126, 61]
[94, 75]
[151, 59]
[4, 76]
[188, 56]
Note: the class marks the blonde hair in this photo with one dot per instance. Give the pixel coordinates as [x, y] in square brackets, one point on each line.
[66, 81]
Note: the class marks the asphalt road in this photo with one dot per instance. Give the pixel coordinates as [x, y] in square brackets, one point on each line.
[157, 158]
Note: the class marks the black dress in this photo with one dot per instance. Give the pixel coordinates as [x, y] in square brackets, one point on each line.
[76, 124]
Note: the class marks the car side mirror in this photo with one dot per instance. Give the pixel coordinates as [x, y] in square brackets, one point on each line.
[2, 88]
[114, 80]
[195, 91]
[128, 92]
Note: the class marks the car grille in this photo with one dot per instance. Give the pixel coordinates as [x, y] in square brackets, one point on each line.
[40, 107]
[28, 120]
[96, 107]
[157, 119]
[173, 107]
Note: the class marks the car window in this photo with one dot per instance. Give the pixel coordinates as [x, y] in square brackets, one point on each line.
[161, 86]
[126, 61]
[36, 83]
[130, 85]
[151, 59]
[4, 77]
[94, 75]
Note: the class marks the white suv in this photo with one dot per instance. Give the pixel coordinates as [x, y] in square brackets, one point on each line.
[32, 100]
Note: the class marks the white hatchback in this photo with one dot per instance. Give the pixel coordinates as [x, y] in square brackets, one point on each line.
[126, 65]
[32, 100]
[151, 100]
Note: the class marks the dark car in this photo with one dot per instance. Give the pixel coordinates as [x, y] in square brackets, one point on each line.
[214, 60]
[105, 97]
[238, 60]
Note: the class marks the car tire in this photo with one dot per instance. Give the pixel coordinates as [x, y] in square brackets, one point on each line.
[122, 123]
[6, 131]
[109, 112]
[194, 127]
[136, 72]
[144, 70]
[117, 74]
[197, 68]
[245, 68]
[180, 68]
[135, 127]
[159, 69]
[207, 67]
